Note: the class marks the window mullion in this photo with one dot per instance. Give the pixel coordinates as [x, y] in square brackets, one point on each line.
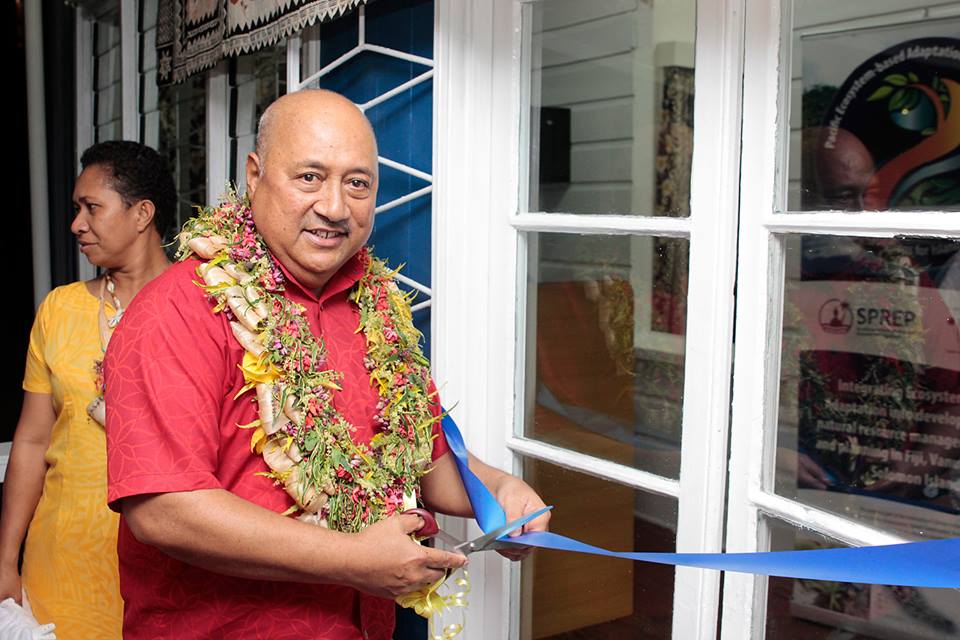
[825, 522]
[879, 224]
[85, 115]
[714, 202]
[218, 145]
[129, 62]
[293, 62]
[606, 224]
[757, 320]
[597, 467]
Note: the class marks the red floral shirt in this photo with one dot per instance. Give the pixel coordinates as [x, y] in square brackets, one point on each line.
[172, 371]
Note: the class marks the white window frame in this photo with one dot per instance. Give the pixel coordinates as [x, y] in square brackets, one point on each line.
[479, 93]
[766, 106]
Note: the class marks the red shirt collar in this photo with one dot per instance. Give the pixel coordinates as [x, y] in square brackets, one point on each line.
[344, 279]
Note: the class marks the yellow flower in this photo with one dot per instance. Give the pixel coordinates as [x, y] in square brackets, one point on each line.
[257, 441]
[330, 384]
[257, 369]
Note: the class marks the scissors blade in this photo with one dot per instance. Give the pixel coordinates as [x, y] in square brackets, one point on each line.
[487, 540]
[447, 539]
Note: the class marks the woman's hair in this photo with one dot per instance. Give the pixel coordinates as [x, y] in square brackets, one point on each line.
[138, 173]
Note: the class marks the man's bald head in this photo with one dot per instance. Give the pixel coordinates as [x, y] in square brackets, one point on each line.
[836, 169]
[314, 199]
[293, 105]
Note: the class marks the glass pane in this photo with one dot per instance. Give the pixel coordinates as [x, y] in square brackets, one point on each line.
[611, 95]
[149, 97]
[256, 80]
[182, 140]
[310, 46]
[821, 610]
[872, 126]
[606, 345]
[106, 77]
[869, 422]
[572, 596]
[403, 25]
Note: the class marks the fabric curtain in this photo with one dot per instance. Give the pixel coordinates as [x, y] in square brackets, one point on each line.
[194, 35]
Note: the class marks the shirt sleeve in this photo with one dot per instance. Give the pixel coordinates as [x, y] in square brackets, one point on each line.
[36, 375]
[166, 376]
[440, 446]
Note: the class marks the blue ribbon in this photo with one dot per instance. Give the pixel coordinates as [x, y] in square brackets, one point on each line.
[933, 563]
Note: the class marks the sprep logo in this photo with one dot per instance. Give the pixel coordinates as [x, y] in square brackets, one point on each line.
[836, 316]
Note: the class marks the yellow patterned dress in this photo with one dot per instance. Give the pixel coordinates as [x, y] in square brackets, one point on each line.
[70, 560]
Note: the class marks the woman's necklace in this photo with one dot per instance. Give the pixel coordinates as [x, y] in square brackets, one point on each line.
[96, 409]
[111, 287]
[108, 324]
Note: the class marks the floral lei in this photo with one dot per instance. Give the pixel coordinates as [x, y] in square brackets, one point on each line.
[304, 440]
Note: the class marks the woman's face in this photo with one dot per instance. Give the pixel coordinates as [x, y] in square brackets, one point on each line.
[105, 227]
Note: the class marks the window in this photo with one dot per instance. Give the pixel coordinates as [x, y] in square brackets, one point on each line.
[107, 93]
[256, 80]
[847, 350]
[610, 133]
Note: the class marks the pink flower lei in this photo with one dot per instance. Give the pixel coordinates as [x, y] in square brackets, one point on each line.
[304, 439]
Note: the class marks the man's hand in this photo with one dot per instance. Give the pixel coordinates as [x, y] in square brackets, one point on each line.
[518, 499]
[443, 491]
[390, 564]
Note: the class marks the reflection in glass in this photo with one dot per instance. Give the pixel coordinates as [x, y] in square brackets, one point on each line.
[872, 126]
[107, 93]
[611, 94]
[568, 596]
[256, 80]
[816, 609]
[173, 119]
[182, 124]
[869, 422]
[610, 321]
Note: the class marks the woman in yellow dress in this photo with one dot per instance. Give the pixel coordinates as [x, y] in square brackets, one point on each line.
[55, 491]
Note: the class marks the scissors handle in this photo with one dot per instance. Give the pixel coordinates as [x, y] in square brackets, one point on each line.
[430, 527]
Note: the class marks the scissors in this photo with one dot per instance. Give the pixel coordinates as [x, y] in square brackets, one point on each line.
[486, 542]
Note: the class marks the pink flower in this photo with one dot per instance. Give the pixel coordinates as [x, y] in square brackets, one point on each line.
[390, 334]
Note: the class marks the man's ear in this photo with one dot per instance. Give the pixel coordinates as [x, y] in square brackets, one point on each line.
[145, 210]
[254, 167]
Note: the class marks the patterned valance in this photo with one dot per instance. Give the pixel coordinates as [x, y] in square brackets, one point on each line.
[194, 35]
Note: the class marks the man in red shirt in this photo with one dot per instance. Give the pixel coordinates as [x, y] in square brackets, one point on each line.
[204, 549]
